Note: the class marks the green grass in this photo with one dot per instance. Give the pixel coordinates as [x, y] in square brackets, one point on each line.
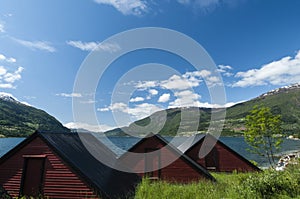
[266, 184]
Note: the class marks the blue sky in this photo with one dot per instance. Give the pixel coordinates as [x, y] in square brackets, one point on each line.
[254, 43]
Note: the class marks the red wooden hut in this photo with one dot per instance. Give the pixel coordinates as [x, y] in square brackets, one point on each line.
[183, 169]
[220, 158]
[58, 165]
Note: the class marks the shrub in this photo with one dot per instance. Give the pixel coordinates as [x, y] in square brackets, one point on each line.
[270, 184]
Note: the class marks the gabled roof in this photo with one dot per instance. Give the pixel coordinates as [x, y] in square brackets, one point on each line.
[109, 182]
[192, 141]
[175, 150]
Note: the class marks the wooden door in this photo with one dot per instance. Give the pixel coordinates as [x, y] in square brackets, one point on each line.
[152, 163]
[212, 160]
[32, 179]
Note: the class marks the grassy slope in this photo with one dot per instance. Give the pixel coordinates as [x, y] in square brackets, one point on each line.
[18, 120]
[267, 184]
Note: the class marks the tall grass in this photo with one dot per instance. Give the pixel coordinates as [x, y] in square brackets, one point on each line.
[267, 184]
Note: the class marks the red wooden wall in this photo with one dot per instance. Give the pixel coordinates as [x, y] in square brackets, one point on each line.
[228, 161]
[60, 181]
[178, 171]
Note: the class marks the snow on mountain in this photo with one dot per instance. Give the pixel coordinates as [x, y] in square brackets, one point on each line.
[7, 97]
[280, 90]
[10, 98]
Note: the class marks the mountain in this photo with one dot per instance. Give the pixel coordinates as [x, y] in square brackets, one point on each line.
[284, 101]
[18, 119]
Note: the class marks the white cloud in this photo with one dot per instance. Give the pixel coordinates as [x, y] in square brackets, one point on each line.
[185, 98]
[179, 83]
[9, 60]
[164, 97]
[138, 111]
[1, 27]
[137, 99]
[88, 101]
[36, 45]
[143, 110]
[2, 71]
[89, 127]
[183, 82]
[119, 106]
[127, 7]
[281, 72]
[143, 85]
[2, 57]
[224, 70]
[7, 79]
[153, 92]
[90, 46]
[6, 85]
[12, 77]
[69, 95]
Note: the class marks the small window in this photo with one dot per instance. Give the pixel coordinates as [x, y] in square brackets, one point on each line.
[33, 175]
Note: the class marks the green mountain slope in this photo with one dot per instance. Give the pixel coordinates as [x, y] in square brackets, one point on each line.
[284, 101]
[19, 120]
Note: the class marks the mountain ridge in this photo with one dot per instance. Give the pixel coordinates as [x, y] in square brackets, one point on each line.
[18, 119]
[284, 101]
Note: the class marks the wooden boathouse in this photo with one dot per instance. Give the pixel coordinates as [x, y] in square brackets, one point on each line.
[156, 152]
[219, 158]
[58, 165]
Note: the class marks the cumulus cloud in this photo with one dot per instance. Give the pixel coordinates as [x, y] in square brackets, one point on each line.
[1, 27]
[12, 77]
[89, 127]
[186, 98]
[143, 85]
[164, 98]
[90, 46]
[153, 92]
[2, 70]
[127, 7]
[137, 99]
[8, 78]
[182, 82]
[143, 110]
[77, 95]
[2, 57]
[224, 70]
[36, 45]
[7, 59]
[179, 82]
[138, 111]
[281, 72]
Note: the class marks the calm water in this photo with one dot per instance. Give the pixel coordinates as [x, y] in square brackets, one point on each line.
[120, 144]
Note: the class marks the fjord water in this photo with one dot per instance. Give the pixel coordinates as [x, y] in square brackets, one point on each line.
[120, 144]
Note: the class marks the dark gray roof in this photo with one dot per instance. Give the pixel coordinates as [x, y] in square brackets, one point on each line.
[190, 142]
[194, 140]
[181, 155]
[110, 182]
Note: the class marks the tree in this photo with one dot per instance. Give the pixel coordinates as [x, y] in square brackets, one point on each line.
[263, 132]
